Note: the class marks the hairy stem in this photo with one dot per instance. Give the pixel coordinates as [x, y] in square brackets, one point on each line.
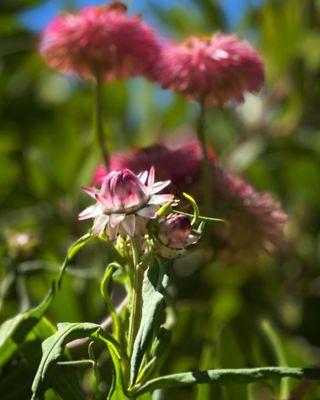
[206, 169]
[99, 131]
[136, 309]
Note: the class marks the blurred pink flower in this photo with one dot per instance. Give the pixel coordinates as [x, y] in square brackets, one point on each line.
[125, 202]
[211, 69]
[182, 163]
[99, 40]
[255, 219]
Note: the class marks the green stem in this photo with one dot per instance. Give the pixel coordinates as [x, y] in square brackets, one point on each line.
[136, 309]
[227, 377]
[72, 251]
[100, 135]
[76, 363]
[206, 168]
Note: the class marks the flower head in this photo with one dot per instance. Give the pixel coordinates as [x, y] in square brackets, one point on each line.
[255, 219]
[175, 235]
[125, 202]
[99, 40]
[210, 69]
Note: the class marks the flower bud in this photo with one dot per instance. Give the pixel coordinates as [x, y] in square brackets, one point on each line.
[175, 235]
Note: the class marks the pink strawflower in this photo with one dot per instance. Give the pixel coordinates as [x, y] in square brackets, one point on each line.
[99, 40]
[175, 234]
[255, 219]
[170, 162]
[125, 202]
[210, 69]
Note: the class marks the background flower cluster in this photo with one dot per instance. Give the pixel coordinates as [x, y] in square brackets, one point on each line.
[271, 141]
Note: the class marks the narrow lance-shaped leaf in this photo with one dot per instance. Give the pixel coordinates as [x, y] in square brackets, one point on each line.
[14, 330]
[53, 348]
[117, 391]
[154, 284]
[227, 377]
[275, 343]
[105, 289]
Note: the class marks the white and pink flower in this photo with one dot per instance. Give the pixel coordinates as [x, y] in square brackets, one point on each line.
[125, 202]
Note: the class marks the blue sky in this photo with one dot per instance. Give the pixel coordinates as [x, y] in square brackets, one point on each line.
[38, 17]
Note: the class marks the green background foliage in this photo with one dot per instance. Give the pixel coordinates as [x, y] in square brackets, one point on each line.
[47, 151]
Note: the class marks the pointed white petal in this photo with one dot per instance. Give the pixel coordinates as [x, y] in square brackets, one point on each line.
[129, 224]
[111, 232]
[115, 219]
[151, 178]
[160, 198]
[90, 212]
[104, 203]
[91, 191]
[148, 212]
[100, 224]
[158, 186]
[143, 176]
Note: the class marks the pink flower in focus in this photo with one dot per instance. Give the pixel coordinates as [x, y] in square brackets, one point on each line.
[211, 69]
[175, 235]
[99, 40]
[125, 202]
[255, 219]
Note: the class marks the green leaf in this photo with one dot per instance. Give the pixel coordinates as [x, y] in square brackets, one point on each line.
[154, 284]
[105, 289]
[72, 251]
[227, 377]
[231, 356]
[276, 345]
[196, 212]
[14, 331]
[117, 391]
[204, 392]
[53, 348]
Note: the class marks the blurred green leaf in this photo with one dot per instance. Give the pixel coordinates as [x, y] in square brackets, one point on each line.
[14, 330]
